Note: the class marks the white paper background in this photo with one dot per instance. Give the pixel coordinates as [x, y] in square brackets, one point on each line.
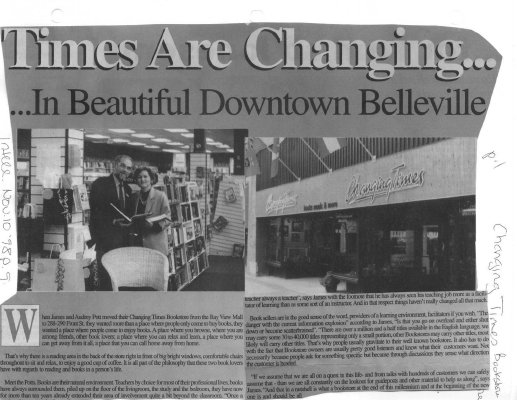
[493, 20]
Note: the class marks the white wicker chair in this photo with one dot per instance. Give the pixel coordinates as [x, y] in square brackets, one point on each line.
[136, 267]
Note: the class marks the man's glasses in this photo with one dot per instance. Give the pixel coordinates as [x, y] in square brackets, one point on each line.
[126, 167]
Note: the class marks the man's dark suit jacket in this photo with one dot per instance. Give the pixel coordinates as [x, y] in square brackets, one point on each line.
[103, 232]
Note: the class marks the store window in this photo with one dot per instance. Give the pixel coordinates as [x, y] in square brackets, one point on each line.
[402, 249]
[275, 231]
[348, 237]
[430, 248]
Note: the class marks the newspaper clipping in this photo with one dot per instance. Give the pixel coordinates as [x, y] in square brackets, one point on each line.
[245, 211]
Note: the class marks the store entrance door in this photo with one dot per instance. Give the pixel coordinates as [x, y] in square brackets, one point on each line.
[334, 244]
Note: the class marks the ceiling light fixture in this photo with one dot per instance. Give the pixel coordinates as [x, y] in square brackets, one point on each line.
[122, 130]
[96, 136]
[177, 130]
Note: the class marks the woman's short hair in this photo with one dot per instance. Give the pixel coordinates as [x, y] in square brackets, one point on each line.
[152, 174]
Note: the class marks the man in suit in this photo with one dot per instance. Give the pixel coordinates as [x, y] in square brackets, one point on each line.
[107, 229]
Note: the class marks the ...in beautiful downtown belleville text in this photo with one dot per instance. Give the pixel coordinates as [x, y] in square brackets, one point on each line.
[403, 101]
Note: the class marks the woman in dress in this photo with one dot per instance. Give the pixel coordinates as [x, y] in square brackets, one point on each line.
[154, 202]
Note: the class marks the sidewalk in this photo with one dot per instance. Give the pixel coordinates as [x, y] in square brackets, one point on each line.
[273, 285]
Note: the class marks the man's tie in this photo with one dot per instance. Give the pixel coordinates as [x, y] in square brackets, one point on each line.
[121, 196]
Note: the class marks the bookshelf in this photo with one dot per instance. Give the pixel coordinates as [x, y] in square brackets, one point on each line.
[187, 242]
[95, 168]
[23, 178]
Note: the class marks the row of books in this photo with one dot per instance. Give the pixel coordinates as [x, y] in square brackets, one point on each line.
[24, 153]
[99, 164]
[189, 211]
[181, 254]
[108, 165]
[195, 248]
[178, 235]
[191, 270]
[182, 192]
[22, 183]
[175, 235]
[192, 230]
[187, 254]
[182, 213]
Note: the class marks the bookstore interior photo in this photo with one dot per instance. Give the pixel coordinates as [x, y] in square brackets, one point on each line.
[200, 174]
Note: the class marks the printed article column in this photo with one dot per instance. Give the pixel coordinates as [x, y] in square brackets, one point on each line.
[304, 345]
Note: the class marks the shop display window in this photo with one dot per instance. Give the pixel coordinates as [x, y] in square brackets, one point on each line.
[297, 226]
[402, 249]
[296, 253]
[430, 248]
[273, 242]
[296, 237]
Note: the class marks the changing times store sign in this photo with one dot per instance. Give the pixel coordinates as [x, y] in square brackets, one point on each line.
[400, 179]
[278, 205]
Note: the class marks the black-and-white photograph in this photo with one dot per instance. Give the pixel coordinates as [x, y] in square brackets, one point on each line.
[361, 215]
[121, 209]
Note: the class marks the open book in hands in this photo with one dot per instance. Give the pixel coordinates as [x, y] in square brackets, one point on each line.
[136, 217]
[158, 218]
[132, 219]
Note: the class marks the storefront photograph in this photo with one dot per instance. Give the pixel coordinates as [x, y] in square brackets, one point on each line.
[130, 209]
[360, 215]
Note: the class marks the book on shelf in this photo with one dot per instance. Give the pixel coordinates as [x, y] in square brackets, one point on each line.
[183, 276]
[175, 214]
[177, 236]
[169, 234]
[81, 202]
[189, 232]
[191, 250]
[23, 153]
[193, 267]
[179, 257]
[195, 210]
[183, 194]
[185, 212]
[200, 244]
[22, 183]
[202, 262]
[197, 228]
[173, 192]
